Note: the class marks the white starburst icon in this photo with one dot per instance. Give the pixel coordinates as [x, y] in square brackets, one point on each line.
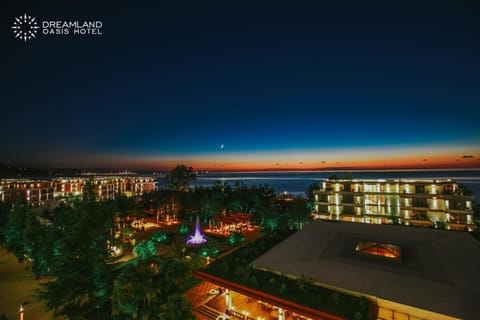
[25, 27]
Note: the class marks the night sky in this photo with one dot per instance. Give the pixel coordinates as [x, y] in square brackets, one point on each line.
[290, 84]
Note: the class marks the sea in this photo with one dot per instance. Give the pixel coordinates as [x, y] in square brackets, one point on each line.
[296, 182]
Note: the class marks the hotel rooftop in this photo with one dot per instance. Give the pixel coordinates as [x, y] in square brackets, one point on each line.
[413, 273]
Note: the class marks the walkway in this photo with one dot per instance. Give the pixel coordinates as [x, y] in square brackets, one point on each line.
[17, 285]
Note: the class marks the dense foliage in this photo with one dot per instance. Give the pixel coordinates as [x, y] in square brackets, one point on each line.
[73, 246]
[84, 279]
[221, 199]
[148, 288]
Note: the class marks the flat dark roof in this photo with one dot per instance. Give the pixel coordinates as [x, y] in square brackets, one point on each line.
[439, 271]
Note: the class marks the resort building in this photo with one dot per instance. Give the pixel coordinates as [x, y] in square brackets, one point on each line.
[38, 192]
[35, 192]
[68, 186]
[407, 273]
[402, 273]
[438, 202]
[139, 185]
[105, 187]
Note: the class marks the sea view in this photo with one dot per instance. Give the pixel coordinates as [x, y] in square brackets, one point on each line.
[170, 146]
[296, 182]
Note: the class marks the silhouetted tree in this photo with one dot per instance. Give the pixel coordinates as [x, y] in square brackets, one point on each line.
[14, 228]
[311, 194]
[82, 265]
[180, 177]
[298, 213]
[4, 210]
[177, 307]
[144, 286]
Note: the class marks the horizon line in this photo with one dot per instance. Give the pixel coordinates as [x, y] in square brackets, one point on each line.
[270, 169]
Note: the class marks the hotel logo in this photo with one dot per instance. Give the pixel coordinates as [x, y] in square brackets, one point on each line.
[25, 27]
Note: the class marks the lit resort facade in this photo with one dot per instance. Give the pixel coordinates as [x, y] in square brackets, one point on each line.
[105, 187]
[35, 192]
[405, 201]
[39, 192]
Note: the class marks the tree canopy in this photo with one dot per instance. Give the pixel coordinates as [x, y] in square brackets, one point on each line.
[180, 177]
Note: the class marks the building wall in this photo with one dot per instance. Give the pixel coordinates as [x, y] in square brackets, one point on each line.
[37, 192]
[418, 202]
[388, 310]
[68, 186]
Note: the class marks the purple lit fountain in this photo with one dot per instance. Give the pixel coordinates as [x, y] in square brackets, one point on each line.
[198, 237]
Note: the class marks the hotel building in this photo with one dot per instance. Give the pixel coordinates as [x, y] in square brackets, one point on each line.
[410, 202]
[105, 187]
[108, 187]
[68, 186]
[37, 192]
[405, 274]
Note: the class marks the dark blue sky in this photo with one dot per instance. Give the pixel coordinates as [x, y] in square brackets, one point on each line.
[171, 82]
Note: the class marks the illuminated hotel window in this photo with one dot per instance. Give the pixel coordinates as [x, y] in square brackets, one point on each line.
[384, 250]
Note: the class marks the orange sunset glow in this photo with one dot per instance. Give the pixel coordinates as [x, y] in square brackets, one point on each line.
[419, 157]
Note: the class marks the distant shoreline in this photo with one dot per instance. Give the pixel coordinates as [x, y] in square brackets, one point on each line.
[344, 170]
[296, 182]
[47, 174]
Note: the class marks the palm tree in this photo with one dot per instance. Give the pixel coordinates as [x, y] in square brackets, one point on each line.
[144, 286]
[136, 291]
[14, 234]
[81, 264]
[144, 249]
